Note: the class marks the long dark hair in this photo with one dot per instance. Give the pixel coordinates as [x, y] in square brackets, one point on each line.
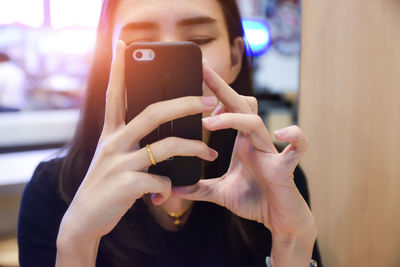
[81, 149]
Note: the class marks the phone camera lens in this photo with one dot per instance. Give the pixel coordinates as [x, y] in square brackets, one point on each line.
[139, 55]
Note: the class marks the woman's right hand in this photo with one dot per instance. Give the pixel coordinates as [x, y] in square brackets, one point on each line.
[117, 175]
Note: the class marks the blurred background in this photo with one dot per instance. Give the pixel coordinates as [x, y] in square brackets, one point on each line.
[45, 54]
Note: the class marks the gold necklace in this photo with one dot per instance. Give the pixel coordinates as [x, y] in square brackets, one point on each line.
[176, 216]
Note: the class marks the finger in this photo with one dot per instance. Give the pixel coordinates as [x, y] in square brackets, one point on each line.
[232, 101]
[252, 102]
[249, 124]
[219, 109]
[204, 190]
[115, 96]
[157, 184]
[157, 199]
[167, 148]
[295, 136]
[161, 112]
[133, 185]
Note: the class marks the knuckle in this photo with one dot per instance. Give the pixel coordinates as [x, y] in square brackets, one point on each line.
[298, 133]
[171, 145]
[190, 103]
[253, 101]
[201, 146]
[139, 184]
[257, 122]
[154, 110]
[167, 183]
[109, 146]
[150, 109]
[296, 127]
[172, 141]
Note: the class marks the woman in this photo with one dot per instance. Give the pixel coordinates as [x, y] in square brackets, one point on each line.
[103, 207]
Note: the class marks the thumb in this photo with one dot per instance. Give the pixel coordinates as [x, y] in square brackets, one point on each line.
[204, 190]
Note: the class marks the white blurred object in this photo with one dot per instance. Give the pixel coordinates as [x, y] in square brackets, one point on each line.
[18, 167]
[61, 83]
[278, 73]
[67, 41]
[28, 12]
[37, 127]
[12, 85]
[70, 13]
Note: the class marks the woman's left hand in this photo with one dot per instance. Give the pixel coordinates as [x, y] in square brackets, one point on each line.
[259, 182]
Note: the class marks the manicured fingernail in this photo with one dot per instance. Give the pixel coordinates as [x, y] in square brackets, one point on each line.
[209, 101]
[213, 154]
[217, 110]
[209, 119]
[281, 133]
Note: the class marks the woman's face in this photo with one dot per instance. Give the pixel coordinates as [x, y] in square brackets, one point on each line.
[199, 21]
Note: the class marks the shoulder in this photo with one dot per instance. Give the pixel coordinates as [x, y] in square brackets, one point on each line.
[44, 181]
[41, 193]
[41, 211]
[50, 168]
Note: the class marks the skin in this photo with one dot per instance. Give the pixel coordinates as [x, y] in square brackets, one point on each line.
[259, 183]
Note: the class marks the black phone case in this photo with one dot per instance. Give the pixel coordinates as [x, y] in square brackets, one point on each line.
[176, 71]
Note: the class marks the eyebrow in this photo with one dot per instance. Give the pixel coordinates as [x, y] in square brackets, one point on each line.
[184, 22]
[196, 21]
[139, 26]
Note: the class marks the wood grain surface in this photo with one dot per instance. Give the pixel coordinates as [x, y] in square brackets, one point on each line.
[350, 110]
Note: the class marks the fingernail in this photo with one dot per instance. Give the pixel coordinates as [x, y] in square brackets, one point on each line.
[281, 133]
[217, 110]
[209, 100]
[213, 154]
[210, 119]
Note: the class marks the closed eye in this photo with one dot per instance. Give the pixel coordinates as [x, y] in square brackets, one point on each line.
[201, 40]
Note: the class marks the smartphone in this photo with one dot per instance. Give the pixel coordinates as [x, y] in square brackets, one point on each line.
[157, 71]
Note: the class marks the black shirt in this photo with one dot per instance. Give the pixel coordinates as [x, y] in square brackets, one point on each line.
[212, 236]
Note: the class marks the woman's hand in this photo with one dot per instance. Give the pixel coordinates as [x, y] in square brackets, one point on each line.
[117, 175]
[259, 182]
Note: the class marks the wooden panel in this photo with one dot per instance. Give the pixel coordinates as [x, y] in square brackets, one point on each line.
[9, 208]
[350, 111]
[9, 253]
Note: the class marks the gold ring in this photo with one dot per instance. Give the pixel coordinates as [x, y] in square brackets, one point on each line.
[150, 155]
